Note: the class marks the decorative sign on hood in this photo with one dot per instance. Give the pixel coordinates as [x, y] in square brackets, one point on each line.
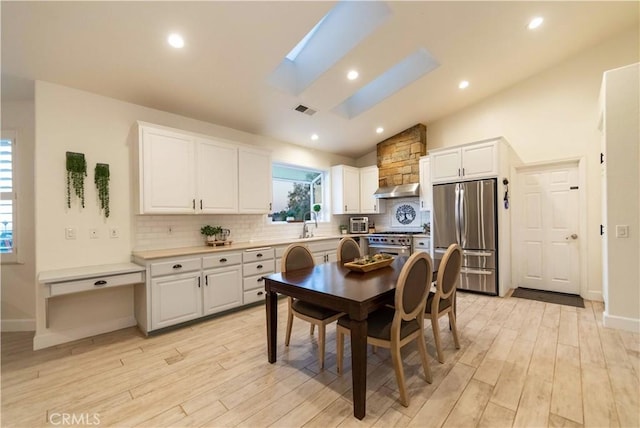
[405, 215]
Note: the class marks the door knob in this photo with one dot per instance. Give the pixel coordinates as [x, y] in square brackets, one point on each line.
[572, 236]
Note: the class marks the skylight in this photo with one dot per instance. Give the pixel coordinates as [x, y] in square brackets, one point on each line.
[395, 78]
[339, 31]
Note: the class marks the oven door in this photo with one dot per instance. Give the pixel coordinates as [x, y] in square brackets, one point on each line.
[394, 250]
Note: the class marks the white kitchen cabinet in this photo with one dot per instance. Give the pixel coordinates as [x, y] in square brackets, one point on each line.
[368, 186]
[324, 251]
[175, 299]
[167, 178]
[223, 283]
[184, 173]
[469, 162]
[345, 189]
[254, 167]
[256, 264]
[426, 189]
[217, 177]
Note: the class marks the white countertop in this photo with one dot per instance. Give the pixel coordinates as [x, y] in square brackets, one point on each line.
[205, 249]
[70, 274]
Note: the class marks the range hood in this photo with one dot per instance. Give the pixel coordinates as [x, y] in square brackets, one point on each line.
[399, 191]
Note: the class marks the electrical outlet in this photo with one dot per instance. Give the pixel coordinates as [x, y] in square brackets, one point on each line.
[622, 231]
[114, 232]
[70, 233]
[93, 233]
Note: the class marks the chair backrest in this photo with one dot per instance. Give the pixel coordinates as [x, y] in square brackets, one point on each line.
[348, 250]
[449, 271]
[296, 256]
[413, 286]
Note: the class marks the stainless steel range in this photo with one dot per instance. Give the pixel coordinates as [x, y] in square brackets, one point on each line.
[394, 243]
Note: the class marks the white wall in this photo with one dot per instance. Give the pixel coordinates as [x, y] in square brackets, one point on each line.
[553, 115]
[102, 128]
[18, 293]
[621, 90]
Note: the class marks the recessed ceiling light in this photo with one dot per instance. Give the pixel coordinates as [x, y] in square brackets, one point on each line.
[352, 75]
[314, 137]
[464, 84]
[176, 40]
[379, 130]
[535, 23]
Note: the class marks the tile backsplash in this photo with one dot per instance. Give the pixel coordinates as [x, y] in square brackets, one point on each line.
[153, 232]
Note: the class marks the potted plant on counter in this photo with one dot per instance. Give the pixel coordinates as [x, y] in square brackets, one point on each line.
[210, 232]
[343, 229]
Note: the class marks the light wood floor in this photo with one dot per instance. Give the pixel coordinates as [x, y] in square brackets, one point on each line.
[522, 363]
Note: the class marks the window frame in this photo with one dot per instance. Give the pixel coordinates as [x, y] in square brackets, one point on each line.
[14, 256]
[324, 175]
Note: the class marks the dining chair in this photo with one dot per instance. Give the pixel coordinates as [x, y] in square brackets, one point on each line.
[443, 301]
[348, 250]
[298, 256]
[394, 327]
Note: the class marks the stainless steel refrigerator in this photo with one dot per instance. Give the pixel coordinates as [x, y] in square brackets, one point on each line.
[466, 213]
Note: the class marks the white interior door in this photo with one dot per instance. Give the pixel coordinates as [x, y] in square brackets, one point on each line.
[547, 224]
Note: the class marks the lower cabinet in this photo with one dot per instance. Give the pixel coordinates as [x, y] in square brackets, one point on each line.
[256, 264]
[324, 251]
[175, 299]
[222, 289]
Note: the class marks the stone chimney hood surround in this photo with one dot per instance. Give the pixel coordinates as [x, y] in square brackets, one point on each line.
[398, 163]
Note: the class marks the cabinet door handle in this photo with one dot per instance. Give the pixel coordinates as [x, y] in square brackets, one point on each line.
[259, 267]
[421, 204]
[200, 203]
[260, 293]
[260, 279]
[193, 203]
[269, 206]
[100, 283]
[421, 243]
[178, 266]
[222, 260]
[345, 207]
[259, 255]
[206, 280]
[458, 172]
[198, 282]
[463, 172]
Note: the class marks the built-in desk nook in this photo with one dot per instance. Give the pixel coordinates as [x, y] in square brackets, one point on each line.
[87, 278]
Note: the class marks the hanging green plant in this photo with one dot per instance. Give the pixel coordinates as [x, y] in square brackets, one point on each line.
[76, 172]
[101, 179]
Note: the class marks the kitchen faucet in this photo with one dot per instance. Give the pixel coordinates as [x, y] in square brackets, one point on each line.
[305, 229]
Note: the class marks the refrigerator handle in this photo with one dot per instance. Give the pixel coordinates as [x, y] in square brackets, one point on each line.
[463, 229]
[457, 213]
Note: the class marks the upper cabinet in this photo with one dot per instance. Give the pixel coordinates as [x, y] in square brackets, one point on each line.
[255, 181]
[345, 189]
[183, 173]
[468, 162]
[426, 190]
[368, 186]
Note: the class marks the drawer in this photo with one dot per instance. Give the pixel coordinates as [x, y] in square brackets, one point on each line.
[223, 259]
[280, 251]
[421, 243]
[253, 296]
[253, 282]
[175, 266]
[317, 247]
[106, 281]
[255, 268]
[257, 254]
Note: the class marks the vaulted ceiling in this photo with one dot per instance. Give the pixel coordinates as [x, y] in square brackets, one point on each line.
[119, 49]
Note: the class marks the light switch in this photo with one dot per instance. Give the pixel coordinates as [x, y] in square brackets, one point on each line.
[70, 233]
[622, 231]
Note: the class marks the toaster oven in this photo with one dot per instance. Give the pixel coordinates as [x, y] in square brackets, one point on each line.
[359, 225]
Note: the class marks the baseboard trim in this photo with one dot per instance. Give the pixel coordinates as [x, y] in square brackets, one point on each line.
[621, 323]
[18, 325]
[52, 338]
[594, 295]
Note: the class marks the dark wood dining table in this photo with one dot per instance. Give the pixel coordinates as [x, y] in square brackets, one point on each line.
[334, 286]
